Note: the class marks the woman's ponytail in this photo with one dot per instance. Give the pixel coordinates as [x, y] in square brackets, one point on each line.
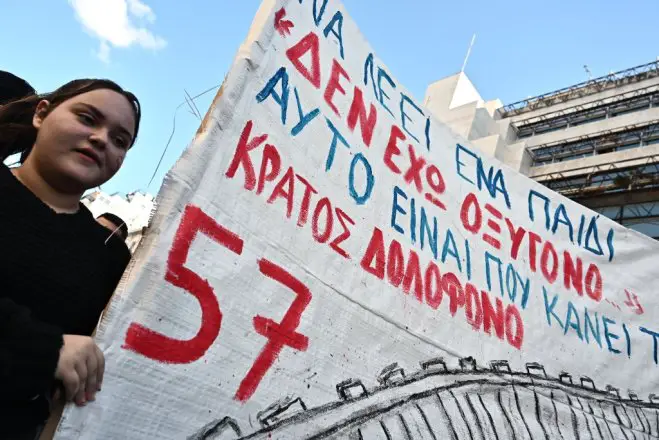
[17, 134]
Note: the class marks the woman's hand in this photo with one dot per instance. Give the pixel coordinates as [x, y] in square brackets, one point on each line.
[80, 368]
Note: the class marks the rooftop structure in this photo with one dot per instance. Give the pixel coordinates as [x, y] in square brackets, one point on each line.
[596, 142]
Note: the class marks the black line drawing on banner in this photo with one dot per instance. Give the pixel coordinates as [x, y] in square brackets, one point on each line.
[218, 428]
[468, 402]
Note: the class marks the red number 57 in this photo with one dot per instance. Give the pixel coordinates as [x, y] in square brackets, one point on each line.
[162, 348]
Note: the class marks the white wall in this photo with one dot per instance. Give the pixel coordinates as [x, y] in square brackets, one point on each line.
[135, 209]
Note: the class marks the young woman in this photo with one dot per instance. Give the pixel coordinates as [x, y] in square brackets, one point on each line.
[57, 268]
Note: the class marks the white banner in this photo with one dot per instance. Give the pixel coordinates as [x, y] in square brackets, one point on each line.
[328, 260]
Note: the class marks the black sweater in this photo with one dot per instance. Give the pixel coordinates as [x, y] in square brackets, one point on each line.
[56, 276]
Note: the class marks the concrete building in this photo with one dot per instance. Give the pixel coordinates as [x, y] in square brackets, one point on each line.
[596, 142]
[135, 209]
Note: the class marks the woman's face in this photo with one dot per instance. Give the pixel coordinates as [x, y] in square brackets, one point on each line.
[83, 141]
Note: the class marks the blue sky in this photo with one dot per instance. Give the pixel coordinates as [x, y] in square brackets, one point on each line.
[162, 48]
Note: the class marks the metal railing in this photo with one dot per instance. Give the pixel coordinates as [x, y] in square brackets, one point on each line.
[596, 85]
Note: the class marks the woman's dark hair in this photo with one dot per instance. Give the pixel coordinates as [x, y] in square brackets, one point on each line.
[18, 135]
[115, 219]
[13, 87]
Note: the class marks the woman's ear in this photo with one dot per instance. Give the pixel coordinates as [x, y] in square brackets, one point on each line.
[40, 113]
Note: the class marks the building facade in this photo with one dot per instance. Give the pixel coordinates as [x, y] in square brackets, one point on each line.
[596, 142]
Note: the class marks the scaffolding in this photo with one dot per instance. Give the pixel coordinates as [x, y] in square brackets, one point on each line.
[626, 194]
[586, 88]
[599, 109]
[606, 179]
[603, 142]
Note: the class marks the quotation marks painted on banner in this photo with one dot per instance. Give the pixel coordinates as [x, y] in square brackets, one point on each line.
[283, 26]
[633, 303]
[161, 348]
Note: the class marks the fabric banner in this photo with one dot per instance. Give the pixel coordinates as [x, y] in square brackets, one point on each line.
[328, 260]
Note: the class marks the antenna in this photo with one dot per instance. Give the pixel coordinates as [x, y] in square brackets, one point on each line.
[193, 108]
[473, 39]
[590, 75]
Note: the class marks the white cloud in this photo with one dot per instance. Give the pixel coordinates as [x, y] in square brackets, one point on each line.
[103, 53]
[141, 10]
[117, 23]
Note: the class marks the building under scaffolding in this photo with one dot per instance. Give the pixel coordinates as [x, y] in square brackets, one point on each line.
[596, 142]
